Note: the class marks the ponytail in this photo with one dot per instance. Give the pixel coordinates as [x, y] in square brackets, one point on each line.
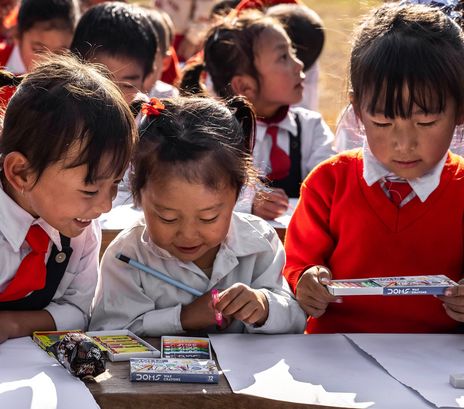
[136, 104]
[7, 79]
[246, 117]
[191, 83]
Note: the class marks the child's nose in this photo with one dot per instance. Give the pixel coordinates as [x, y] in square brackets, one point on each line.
[104, 204]
[405, 140]
[188, 231]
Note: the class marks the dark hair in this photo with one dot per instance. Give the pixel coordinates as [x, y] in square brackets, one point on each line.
[64, 102]
[410, 46]
[159, 24]
[199, 139]
[61, 14]
[223, 7]
[305, 29]
[229, 50]
[116, 29]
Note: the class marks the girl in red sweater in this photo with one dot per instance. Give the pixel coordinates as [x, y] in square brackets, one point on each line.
[396, 206]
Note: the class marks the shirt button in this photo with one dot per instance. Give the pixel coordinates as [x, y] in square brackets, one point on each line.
[60, 257]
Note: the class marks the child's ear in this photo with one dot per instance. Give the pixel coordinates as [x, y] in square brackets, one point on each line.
[244, 85]
[18, 172]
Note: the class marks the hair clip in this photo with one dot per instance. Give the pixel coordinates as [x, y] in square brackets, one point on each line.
[153, 107]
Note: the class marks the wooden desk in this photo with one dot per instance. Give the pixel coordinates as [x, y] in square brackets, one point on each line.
[114, 390]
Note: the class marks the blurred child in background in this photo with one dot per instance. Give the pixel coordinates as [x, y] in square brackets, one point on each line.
[42, 26]
[121, 37]
[252, 55]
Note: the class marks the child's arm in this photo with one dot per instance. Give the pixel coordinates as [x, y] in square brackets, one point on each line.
[261, 297]
[453, 302]
[15, 324]
[71, 303]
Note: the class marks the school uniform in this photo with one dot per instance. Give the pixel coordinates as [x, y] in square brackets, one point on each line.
[347, 220]
[252, 253]
[303, 136]
[68, 301]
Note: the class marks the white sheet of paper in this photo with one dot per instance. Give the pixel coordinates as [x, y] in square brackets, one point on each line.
[120, 217]
[423, 362]
[31, 379]
[311, 369]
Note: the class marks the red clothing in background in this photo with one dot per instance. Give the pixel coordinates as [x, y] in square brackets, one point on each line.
[357, 232]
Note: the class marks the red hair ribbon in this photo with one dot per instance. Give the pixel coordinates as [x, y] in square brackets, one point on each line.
[153, 107]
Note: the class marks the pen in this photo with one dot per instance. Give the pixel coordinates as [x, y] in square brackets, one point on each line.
[159, 275]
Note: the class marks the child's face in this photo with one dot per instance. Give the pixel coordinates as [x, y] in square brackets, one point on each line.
[280, 73]
[42, 37]
[65, 201]
[128, 74]
[188, 220]
[410, 147]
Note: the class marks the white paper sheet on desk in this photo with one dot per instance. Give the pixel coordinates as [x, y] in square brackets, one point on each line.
[31, 379]
[120, 217]
[312, 369]
[423, 362]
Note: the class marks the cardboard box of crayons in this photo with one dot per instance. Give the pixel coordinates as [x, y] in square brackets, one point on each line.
[185, 347]
[121, 345]
[44, 339]
[173, 370]
[406, 285]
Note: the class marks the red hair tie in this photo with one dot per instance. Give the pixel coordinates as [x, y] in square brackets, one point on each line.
[153, 107]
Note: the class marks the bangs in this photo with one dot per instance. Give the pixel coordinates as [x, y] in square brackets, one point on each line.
[404, 75]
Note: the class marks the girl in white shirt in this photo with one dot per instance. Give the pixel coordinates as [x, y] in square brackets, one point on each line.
[67, 138]
[252, 55]
[190, 165]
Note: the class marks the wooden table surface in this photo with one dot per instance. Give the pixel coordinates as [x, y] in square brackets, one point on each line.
[114, 390]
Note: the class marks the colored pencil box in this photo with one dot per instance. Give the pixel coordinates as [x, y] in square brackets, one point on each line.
[403, 285]
[173, 370]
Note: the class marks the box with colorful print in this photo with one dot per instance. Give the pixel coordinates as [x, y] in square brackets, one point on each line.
[403, 285]
[173, 370]
[121, 345]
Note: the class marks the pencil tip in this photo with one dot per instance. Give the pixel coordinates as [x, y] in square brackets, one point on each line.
[122, 257]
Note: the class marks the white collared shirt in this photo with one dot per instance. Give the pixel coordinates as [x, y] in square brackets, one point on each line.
[15, 62]
[374, 171]
[316, 140]
[70, 305]
[252, 254]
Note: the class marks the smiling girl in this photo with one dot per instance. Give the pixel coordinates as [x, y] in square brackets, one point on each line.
[191, 163]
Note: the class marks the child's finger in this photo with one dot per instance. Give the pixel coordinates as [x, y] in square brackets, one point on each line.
[457, 315]
[455, 291]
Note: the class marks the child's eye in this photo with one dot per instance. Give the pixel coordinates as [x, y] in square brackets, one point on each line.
[209, 220]
[431, 123]
[164, 220]
[89, 192]
[283, 57]
[381, 124]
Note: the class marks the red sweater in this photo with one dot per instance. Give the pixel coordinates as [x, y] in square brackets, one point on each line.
[357, 232]
[6, 93]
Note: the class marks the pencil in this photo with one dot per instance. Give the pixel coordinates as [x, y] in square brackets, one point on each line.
[157, 274]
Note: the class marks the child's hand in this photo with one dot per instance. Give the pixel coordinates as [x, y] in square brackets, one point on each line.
[244, 304]
[270, 205]
[453, 301]
[312, 296]
[199, 314]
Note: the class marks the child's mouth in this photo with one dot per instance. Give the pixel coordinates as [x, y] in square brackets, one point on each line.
[407, 163]
[82, 223]
[188, 250]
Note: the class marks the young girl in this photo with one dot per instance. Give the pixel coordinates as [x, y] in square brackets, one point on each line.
[395, 207]
[252, 56]
[189, 167]
[66, 140]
